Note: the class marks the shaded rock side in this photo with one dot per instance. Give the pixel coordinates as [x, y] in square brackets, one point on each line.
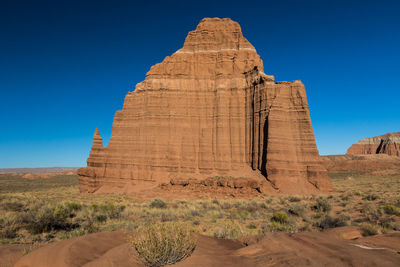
[383, 144]
[209, 110]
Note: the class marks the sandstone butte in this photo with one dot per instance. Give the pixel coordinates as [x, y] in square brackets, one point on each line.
[382, 144]
[206, 111]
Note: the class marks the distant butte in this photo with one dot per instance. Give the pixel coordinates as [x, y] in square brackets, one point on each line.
[383, 144]
[208, 117]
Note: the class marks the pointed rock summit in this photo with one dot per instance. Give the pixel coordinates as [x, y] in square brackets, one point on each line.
[209, 110]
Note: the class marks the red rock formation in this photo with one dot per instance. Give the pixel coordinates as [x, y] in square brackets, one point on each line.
[382, 144]
[209, 110]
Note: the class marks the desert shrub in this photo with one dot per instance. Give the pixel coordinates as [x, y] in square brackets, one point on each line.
[73, 206]
[250, 207]
[9, 232]
[369, 229]
[389, 223]
[252, 225]
[298, 210]
[322, 205]
[229, 231]
[167, 217]
[108, 210]
[280, 217]
[226, 205]
[371, 197]
[12, 206]
[390, 209]
[158, 203]
[332, 222]
[371, 212]
[162, 244]
[46, 218]
[100, 217]
[294, 199]
[279, 227]
[195, 213]
[215, 201]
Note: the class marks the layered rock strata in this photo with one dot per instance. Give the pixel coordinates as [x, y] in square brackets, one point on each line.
[209, 110]
[382, 144]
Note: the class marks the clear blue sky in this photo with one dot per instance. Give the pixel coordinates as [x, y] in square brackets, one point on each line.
[65, 66]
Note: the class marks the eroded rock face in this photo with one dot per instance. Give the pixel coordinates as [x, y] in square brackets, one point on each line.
[383, 144]
[209, 110]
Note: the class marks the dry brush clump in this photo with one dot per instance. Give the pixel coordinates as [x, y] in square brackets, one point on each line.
[162, 244]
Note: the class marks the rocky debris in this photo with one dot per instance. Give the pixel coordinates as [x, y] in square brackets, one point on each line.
[382, 144]
[209, 110]
[224, 182]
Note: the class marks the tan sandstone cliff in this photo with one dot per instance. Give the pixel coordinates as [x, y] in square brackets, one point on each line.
[209, 110]
[382, 144]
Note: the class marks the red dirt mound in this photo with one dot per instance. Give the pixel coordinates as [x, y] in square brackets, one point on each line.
[274, 249]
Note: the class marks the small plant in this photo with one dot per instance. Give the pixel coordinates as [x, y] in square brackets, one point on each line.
[158, 203]
[333, 222]
[229, 230]
[371, 197]
[322, 205]
[279, 227]
[12, 206]
[298, 210]
[369, 229]
[42, 219]
[9, 232]
[371, 212]
[162, 244]
[280, 217]
[390, 209]
[252, 225]
[294, 199]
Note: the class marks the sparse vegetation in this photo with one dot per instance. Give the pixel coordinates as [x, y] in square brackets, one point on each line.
[280, 217]
[44, 210]
[369, 229]
[322, 205]
[158, 203]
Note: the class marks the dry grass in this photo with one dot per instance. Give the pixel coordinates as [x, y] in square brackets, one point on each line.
[162, 244]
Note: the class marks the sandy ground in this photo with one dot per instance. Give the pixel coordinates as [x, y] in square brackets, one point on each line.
[328, 248]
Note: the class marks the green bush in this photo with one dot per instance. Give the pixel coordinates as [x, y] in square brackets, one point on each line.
[371, 197]
[322, 205]
[278, 227]
[42, 219]
[109, 210]
[252, 225]
[158, 203]
[298, 210]
[162, 244]
[333, 222]
[294, 199]
[280, 217]
[12, 206]
[390, 209]
[9, 232]
[369, 229]
[371, 212]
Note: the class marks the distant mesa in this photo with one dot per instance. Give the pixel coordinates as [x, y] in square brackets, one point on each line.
[383, 144]
[209, 117]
